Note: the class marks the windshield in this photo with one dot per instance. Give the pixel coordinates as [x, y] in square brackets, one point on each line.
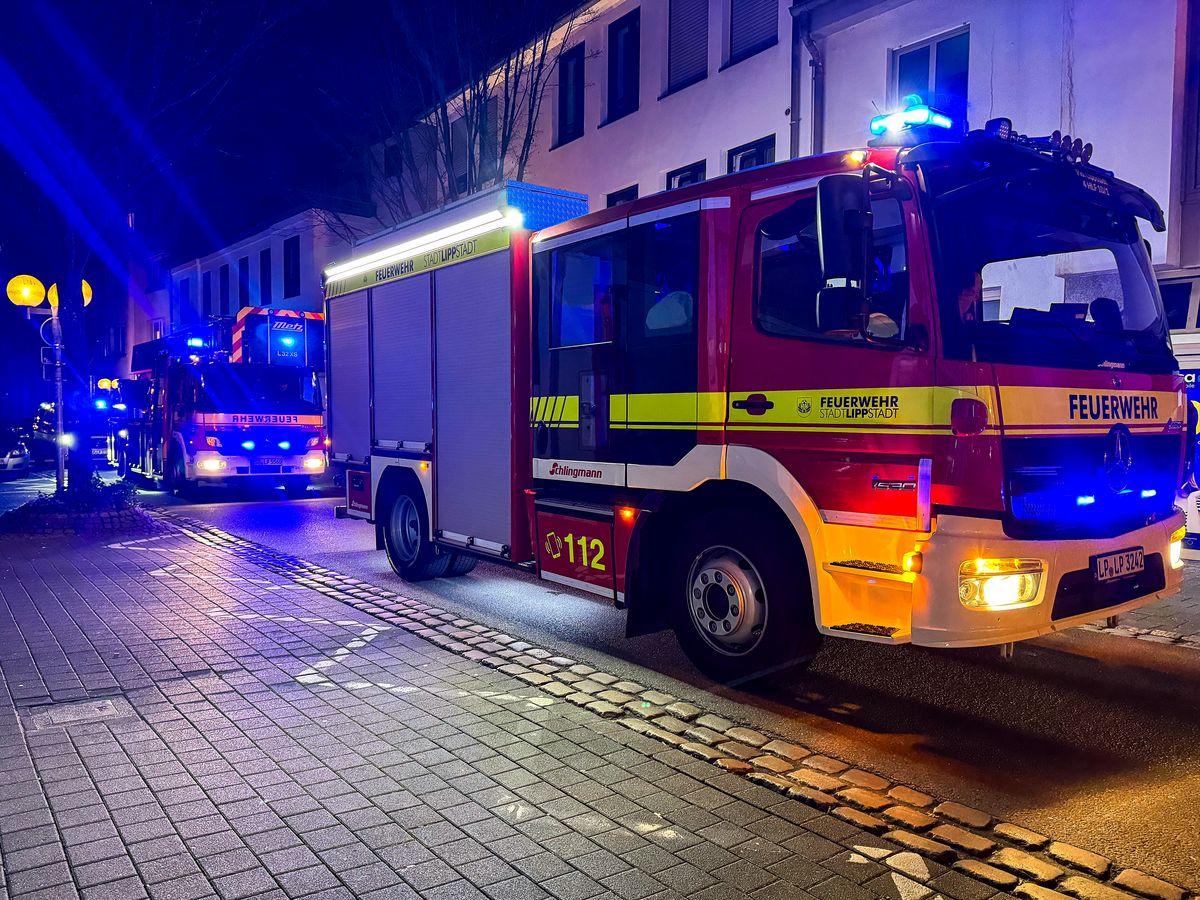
[246, 387]
[1032, 273]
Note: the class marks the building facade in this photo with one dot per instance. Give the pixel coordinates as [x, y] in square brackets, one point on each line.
[654, 94]
[277, 266]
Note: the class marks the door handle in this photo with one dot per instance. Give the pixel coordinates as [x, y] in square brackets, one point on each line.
[755, 404]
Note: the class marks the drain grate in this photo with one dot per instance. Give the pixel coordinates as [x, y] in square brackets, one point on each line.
[81, 712]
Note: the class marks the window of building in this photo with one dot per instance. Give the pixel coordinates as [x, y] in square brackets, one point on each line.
[206, 294]
[223, 288]
[624, 64]
[687, 43]
[243, 282]
[158, 329]
[755, 153]
[264, 277]
[583, 280]
[935, 71]
[570, 95]
[625, 195]
[291, 267]
[459, 154]
[753, 27]
[790, 278]
[685, 175]
[183, 300]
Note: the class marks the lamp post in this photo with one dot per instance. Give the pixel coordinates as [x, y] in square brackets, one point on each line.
[27, 291]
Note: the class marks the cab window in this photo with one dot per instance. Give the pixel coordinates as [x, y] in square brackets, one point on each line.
[583, 280]
[790, 276]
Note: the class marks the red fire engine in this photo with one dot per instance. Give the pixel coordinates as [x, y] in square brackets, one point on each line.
[228, 401]
[915, 393]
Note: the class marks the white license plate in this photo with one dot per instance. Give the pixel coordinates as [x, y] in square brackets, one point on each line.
[269, 461]
[1121, 564]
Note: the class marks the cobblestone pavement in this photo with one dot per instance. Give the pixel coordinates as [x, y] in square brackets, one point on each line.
[179, 722]
[1172, 621]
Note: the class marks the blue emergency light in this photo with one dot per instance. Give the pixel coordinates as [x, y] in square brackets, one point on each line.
[285, 445]
[101, 403]
[247, 445]
[288, 341]
[913, 117]
[195, 342]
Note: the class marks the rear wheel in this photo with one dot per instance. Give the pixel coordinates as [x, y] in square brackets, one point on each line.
[405, 528]
[460, 564]
[742, 605]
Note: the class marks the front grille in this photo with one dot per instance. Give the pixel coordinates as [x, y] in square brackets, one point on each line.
[1058, 486]
[1078, 592]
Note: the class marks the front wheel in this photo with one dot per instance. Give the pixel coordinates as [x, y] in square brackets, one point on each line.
[741, 602]
[405, 528]
[177, 483]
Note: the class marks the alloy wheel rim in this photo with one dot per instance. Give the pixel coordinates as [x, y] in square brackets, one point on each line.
[406, 529]
[727, 603]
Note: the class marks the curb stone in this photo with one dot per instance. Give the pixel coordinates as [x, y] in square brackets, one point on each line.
[1006, 867]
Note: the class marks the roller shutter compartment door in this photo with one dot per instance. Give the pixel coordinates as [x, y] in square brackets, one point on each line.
[349, 378]
[472, 437]
[402, 374]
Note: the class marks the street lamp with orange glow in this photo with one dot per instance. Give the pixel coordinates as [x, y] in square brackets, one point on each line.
[27, 291]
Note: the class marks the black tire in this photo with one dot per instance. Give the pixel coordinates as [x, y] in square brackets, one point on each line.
[176, 477]
[740, 598]
[460, 564]
[405, 525]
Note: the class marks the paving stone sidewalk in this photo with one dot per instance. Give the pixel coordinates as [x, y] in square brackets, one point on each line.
[1172, 621]
[179, 723]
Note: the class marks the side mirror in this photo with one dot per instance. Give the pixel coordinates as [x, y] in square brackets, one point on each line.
[843, 223]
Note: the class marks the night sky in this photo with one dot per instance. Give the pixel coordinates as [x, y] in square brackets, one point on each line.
[207, 120]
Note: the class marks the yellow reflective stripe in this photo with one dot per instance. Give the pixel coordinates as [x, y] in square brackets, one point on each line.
[1095, 408]
[554, 411]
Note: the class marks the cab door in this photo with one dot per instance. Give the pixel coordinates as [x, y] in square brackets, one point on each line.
[579, 281]
[850, 419]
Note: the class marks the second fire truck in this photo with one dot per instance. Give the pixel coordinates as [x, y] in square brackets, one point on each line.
[920, 392]
[228, 402]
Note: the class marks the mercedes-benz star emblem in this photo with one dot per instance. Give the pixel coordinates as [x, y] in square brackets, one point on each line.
[1118, 458]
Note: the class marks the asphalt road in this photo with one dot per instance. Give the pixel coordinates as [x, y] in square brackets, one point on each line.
[1089, 738]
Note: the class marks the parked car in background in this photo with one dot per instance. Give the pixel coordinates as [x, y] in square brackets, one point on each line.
[93, 435]
[14, 455]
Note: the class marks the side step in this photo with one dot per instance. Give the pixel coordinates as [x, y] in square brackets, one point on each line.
[864, 568]
[880, 634]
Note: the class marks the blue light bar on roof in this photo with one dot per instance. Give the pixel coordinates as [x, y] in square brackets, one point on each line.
[195, 342]
[912, 117]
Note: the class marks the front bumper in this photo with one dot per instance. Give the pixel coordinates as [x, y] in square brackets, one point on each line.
[939, 619]
[212, 466]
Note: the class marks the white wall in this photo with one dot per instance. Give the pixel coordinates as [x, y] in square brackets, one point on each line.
[1112, 84]
[745, 102]
[320, 244]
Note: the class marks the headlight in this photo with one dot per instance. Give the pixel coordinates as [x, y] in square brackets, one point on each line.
[999, 583]
[123, 434]
[210, 464]
[1175, 551]
[314, 462]
[212, 441]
